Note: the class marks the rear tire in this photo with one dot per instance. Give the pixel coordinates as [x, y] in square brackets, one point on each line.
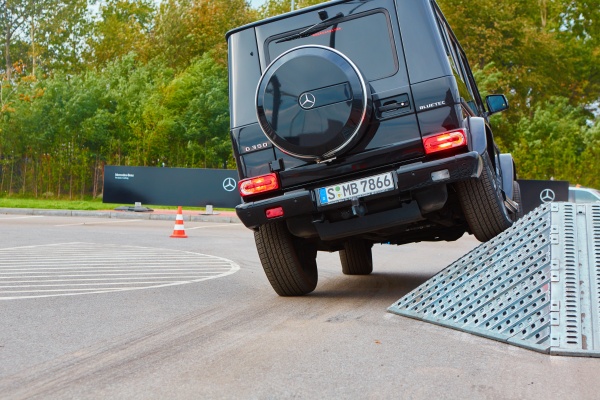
[357, 257]
[290, 263]
[483, 205]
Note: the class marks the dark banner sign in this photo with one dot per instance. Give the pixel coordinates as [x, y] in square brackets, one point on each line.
[171, 186]
[535, 193]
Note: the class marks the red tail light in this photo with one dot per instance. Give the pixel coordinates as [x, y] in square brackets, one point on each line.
[445, 141]
[259, 185]
[274, 212]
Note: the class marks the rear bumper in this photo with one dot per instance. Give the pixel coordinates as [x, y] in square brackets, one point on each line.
[410, 177]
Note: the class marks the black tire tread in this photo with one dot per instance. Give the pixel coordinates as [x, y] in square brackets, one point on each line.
[290, 272]
[483, 205]
[517, 199]
[356, 257]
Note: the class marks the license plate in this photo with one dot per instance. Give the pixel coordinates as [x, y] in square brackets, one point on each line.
[358, 188]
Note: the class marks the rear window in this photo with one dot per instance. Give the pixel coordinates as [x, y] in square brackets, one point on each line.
[364, 38]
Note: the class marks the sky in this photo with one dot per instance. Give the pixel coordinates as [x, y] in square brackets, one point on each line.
[257, 3]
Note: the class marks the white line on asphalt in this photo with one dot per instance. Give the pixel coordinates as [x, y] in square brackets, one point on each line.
[66, 292]
[100, 279]
[101, 222]
[37, 246]
[85, 284]
[211, 226]
[61, 290]
[108, 269]
[54, 270]
[3, 276]
[24, 217]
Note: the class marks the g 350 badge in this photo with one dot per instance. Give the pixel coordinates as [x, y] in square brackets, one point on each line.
[256, 147]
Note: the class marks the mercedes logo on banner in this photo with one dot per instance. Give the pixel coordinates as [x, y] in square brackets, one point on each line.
[547, 195]
[229, 184]
[307, 100]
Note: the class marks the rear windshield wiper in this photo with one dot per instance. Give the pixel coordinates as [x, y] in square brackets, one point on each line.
[312, 29]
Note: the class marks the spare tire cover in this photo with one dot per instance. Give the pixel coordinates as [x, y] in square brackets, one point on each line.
[313, 102]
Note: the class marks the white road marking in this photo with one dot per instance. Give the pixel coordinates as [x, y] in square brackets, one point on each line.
[101, 222]
[211, 226]
[68, 269]
[2, 217]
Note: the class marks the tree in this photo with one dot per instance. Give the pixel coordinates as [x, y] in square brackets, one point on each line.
[543, 48]
[552, 142]
[141, 84]
[272, 8]
[186, 29]
[40, 32]
[590, 157]
[58, 38]
[192, 114]
[14, 16]
[123, 27]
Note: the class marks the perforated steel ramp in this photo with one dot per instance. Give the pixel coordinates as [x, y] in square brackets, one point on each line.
[536, 285]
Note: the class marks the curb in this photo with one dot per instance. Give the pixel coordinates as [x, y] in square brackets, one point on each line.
[166, 215]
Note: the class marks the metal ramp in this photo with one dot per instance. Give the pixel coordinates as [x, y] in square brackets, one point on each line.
[536, 285]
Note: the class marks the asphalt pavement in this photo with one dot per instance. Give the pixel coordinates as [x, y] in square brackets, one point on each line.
[108, 305]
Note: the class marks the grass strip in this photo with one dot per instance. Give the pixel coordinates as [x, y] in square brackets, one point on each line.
[84, 205]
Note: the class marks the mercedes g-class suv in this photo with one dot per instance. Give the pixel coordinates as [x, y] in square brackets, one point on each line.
[356, 122]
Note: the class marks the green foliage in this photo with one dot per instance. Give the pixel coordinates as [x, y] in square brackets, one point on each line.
[124, 27]
[544, 48]
[87, 204]
[197, 108]
[545, 56]
[42, 36]
[145, 83]
[61, 131]
[551, 143]
[186, 29]
[272, 8]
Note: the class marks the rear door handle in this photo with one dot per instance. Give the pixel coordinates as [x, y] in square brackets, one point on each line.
[393, 106]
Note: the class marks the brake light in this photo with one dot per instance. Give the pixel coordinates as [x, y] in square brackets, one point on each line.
[259, 185]
[445, 141]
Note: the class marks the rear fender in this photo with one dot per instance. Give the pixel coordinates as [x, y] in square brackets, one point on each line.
[508, 174]
[478, 140]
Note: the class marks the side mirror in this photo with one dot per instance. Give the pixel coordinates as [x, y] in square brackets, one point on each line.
[496, 103]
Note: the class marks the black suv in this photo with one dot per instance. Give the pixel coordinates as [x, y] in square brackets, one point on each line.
[359, 122]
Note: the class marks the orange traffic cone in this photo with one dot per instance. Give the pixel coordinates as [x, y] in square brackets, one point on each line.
[178, 230]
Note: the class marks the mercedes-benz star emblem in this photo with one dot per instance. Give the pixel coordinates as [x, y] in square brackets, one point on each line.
[229, 184]
[307, 100]
[547, 195]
